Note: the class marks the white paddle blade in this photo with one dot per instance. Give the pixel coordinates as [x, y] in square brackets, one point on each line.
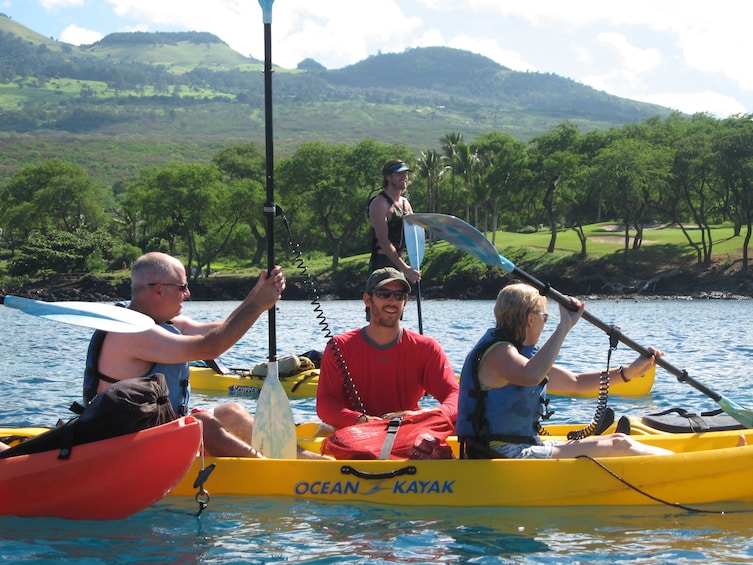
[415, 242]
[107, 317]
[463, 236]
[274, 433]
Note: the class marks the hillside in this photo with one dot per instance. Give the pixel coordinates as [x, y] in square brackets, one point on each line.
[192, 93]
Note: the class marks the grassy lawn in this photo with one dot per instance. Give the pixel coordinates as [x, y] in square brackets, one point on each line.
[661, 247]
[605, 240]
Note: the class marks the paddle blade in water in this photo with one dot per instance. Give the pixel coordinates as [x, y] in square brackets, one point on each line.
[107, 317]
[274, 428]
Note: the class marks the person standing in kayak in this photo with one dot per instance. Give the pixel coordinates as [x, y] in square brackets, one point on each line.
[158, 288]
[386, 211]
[388, 368]
[505, 377]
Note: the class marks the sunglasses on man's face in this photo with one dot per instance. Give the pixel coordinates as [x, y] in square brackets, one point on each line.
[399, 295]
[182, 286]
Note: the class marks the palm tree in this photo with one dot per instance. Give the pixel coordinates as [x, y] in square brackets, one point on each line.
[467, 166]
[450, 144]
[430, 165]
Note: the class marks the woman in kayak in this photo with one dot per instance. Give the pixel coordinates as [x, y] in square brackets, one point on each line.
[505, 377]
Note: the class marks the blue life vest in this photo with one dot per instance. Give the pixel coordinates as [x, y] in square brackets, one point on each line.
[176, 374]
[510, 413]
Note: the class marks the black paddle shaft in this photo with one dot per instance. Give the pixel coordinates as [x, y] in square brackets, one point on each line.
[270, 208]
[548, 291]
[418, 307]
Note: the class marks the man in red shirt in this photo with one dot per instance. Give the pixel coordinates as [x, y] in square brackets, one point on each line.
[381, 371]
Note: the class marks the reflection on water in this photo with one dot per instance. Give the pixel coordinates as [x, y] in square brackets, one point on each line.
[41, 376]
[267, 530]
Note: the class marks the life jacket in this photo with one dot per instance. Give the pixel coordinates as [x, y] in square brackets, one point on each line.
[415, 436]
[394, 227]
[176, 374]
[125, 407]
[510, 413]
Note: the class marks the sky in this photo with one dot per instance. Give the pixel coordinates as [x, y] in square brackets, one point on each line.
[686, 55]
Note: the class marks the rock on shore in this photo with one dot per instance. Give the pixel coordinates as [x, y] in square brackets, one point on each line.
[583, 281]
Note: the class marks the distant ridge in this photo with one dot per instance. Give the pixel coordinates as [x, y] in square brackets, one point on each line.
[191, 89]
[158, 38]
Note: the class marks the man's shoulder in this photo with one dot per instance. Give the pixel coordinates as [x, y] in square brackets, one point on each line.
[350, 335]
[381, 199]
[411, 336]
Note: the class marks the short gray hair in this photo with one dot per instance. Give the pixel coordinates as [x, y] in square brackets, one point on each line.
[149, 268]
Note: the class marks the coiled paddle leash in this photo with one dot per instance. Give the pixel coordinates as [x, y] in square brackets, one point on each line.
[601, 403]
[308, 281]
[349, 387]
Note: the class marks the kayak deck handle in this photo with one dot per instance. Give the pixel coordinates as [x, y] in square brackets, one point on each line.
[348, 470]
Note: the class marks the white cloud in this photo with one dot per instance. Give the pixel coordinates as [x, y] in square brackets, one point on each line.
[53, 4]
[335, 32]
[632, 58]
[491, 48]
[76, 35]
[629, 74]
[708, 102]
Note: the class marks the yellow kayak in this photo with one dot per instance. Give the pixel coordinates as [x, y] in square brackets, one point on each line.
[617, 387]
[706, 468]
[240, 382]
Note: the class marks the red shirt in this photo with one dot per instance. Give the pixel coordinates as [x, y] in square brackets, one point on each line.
[388, 379]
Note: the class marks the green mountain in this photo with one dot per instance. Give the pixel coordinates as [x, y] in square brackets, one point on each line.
[134, 99]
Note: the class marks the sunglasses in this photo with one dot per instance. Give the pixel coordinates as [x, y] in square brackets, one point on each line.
[399, 295]
[544, 314]
[182, 286]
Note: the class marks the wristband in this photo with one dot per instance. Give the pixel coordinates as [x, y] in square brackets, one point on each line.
[621, 370]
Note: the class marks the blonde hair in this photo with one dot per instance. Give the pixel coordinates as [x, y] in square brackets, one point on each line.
[514, 303]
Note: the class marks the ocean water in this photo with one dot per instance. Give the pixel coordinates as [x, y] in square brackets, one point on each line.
[41, 376]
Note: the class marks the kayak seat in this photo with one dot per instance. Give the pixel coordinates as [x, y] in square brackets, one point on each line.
[679, 420]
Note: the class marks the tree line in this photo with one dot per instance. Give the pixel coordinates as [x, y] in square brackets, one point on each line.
[690, 171]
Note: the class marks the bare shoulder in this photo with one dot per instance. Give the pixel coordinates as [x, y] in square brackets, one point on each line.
[379, 204]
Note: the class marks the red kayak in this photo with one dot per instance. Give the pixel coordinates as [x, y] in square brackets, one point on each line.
[105, 480]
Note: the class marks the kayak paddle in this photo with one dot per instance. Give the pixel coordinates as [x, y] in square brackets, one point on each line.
[415, 242]
[466, 237]
[107, 317]
[274, 428]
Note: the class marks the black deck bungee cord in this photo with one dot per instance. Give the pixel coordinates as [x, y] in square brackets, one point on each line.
[655, 498]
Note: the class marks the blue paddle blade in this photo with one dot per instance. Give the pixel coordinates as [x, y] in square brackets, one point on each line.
[415, 242]
[107, 317]
[266, 7]
[463, 236]
[742, 415]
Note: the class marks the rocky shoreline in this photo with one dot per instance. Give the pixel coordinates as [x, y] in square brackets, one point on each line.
[675, 284]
